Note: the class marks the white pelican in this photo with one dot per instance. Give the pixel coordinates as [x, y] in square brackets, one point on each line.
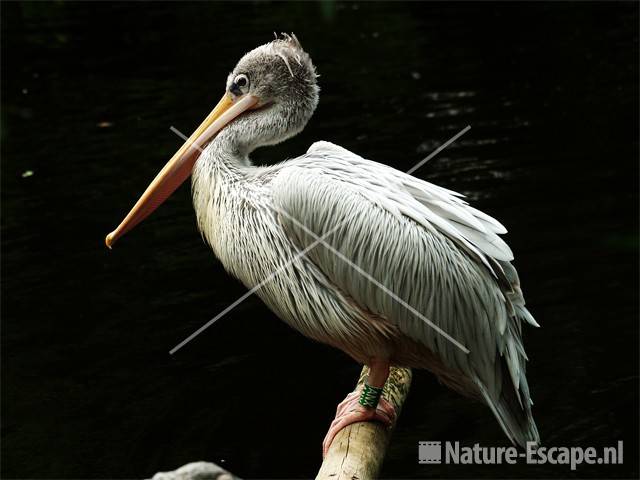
[397, 271]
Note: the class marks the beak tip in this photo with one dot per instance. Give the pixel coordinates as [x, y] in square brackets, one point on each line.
[109, 240]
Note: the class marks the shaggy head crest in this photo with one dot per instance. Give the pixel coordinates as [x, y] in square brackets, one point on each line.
[288, 47]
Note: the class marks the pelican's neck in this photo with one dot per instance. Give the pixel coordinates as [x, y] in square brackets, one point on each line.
[219, 174]
[228, 152]
[225, 161]
[220, 188]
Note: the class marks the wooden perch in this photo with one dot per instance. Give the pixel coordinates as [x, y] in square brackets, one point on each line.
[357, 451]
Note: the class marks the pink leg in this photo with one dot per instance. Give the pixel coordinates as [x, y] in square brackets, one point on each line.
[350, 411]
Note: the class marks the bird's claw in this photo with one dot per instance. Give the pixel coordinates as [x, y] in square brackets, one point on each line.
[350, 411]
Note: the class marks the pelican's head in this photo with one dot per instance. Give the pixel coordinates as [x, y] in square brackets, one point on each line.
[270, 96]
[281, 79]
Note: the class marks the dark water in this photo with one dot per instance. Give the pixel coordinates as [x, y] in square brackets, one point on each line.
[89, 92]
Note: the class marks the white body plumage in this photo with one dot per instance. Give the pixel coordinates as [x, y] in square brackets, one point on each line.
[421, 241]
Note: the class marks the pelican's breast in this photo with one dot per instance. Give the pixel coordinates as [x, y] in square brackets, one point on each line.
[236, 219]
[233, 220]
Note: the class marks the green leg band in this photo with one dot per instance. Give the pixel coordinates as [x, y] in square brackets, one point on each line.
[370, 396]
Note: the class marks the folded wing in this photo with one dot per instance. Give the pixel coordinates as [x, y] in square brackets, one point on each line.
[424, 243]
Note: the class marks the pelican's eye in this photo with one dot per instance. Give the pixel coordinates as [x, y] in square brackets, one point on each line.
[239, 85]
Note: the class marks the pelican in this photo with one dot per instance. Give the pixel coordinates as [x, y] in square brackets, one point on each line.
[388, 268]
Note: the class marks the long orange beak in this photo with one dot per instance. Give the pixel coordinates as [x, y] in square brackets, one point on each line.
[178, 169]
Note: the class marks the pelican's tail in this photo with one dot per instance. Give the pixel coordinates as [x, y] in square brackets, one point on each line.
[512, 409]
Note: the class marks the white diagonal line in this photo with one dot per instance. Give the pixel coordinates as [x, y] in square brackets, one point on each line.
[314, 244]
[243, 297]
[439, 149]
[374, 281]
[183, 136]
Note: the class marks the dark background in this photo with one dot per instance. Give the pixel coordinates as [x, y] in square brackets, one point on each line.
[89, 92]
